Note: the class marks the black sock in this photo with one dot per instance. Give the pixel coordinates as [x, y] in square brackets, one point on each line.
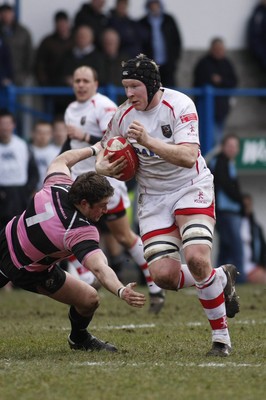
[79, 325]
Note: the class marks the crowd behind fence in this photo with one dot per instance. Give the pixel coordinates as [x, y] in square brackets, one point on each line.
[10, 98]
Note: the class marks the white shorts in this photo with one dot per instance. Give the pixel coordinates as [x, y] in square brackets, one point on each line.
[120, 199]
[157, 212]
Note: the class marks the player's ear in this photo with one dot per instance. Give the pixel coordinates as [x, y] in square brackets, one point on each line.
[84, 202]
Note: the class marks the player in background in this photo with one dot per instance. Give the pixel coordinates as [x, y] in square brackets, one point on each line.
[86, 120]
[176, 199]
[59, 222]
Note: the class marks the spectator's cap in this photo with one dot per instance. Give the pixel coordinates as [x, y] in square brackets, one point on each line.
[145, 70]
[60, 15]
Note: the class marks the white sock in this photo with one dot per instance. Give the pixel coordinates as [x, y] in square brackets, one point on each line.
[211, 296]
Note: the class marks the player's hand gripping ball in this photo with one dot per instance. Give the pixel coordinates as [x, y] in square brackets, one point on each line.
[120, 146]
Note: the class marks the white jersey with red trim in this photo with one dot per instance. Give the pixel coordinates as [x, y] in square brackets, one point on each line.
[92, 117]
[174, 121]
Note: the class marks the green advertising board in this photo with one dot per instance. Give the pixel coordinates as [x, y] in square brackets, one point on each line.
[252, 155]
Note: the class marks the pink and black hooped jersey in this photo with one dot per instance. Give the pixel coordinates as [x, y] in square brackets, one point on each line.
[50, 229]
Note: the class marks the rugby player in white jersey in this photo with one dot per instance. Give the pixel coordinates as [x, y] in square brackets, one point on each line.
[60, 221]
[176, 202]
[86, 120]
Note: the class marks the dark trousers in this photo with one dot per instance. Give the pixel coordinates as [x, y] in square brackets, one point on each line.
[230, 250]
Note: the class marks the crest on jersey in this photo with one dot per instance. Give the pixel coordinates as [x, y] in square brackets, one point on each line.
[167, 131]
[83, 120]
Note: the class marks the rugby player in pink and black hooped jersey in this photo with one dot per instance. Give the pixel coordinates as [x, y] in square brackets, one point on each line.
[59, 222]
[176, 207]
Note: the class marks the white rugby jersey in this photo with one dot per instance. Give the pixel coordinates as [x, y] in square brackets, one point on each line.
[174, 121]
[91, 117]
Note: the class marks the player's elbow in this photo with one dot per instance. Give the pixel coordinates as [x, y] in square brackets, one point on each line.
[189, 162]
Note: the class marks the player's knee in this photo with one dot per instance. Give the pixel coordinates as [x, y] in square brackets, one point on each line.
[165, 273]
[90, 303]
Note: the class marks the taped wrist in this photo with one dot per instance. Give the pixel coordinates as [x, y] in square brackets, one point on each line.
[95, 150]
[120, 291]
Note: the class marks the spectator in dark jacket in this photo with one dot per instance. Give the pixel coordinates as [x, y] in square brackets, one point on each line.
[254, 244]
[215, 69]
[229, 205]
[84, 52]
[162, 41]
[129, 30]
[18, 38]
[51, 50]
[49, 56]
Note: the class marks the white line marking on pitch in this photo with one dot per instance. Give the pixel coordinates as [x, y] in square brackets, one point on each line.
[202, 365]
[152, 325]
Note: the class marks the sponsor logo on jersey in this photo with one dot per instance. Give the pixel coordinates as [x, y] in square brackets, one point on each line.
[83, 120]
[167, 131]
[192, 129]
[145, 152]
[188, 117]
[200, 198]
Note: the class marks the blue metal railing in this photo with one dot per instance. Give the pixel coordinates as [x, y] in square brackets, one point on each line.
[9, 98]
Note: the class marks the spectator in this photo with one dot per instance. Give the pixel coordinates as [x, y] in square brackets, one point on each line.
[83, 52]
[256, 36]
[18, 170]
[113, 58]
[18, 39]
[217, 70]
[254, 244]
[91, 14]
[128, 29]
[49, 57]
[51, 50]
[162, 41]
[59, 133]
[229, 205]
[43, 149]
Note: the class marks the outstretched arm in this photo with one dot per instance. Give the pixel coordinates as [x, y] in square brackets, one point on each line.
[97, 264]
[66, 160]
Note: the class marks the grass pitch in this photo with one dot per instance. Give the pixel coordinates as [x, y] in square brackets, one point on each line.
[160, 357]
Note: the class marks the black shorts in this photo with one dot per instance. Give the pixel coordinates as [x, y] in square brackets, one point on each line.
[45, 282]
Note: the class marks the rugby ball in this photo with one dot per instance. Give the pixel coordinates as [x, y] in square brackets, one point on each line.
[120, 146]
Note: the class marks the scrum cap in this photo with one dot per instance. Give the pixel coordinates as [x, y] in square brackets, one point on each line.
[145, 70]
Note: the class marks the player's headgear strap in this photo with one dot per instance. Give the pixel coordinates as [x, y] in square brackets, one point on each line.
[145, 70]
